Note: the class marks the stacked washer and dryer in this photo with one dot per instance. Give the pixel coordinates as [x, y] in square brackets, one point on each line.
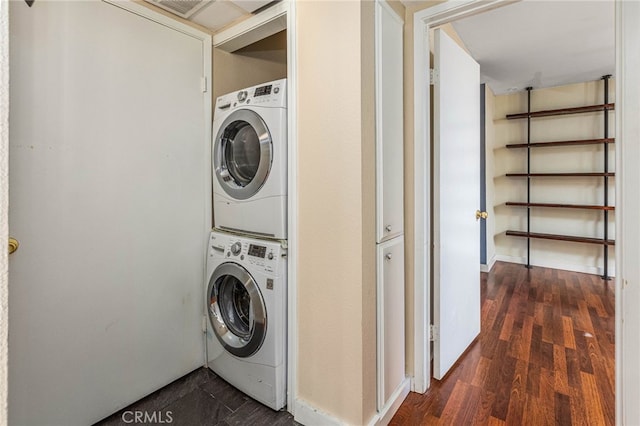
[246, 287]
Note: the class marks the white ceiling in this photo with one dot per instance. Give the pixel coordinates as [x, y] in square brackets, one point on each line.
[541, 43]
[219, 13]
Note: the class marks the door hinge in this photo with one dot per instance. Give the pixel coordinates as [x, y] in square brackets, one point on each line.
[203, 84]
[434, 333]
[204, 324]
[433, 76]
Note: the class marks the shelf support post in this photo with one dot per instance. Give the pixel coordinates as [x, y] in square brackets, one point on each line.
[605, 247]
[529, 175]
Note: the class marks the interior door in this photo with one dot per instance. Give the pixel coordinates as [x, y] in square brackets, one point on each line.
[456, 174]
[109, 183]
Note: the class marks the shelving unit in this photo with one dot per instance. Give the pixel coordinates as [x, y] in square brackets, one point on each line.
[605, 174]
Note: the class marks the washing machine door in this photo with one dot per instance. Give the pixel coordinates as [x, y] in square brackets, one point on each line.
[242, 154]
[236, 310]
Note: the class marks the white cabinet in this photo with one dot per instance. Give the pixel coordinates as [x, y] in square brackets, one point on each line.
[389, 123]
[392, 384]
[390, 330]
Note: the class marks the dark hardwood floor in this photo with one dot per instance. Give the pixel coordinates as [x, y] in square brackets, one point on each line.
[545, 356]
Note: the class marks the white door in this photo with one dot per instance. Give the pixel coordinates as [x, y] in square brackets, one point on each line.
[456, 197]
[109, 188]
[389, 124]
[390, 259]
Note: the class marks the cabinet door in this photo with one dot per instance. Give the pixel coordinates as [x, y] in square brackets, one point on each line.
[390, 327]
[389, 123]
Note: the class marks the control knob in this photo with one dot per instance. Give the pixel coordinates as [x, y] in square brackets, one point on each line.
[242, 96]
[236, 248]
[270, 256]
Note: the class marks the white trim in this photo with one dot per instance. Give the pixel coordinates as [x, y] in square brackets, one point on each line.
[422, 216]
[292, 206]
[628, 202]
[423, 20]
[310, 416]
[452, 10]
[594, 270]
[395, 401]
[378, 134]
[139, 9]
[257, 27]
[489, 266]
[399, 19]
[380, 302]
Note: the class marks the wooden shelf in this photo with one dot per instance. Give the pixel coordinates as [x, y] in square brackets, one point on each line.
[556, 237]
[562, 111]
[561, 143]
[562, 206]
[589, 174]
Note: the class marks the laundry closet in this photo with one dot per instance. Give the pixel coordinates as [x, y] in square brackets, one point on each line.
[112, 186]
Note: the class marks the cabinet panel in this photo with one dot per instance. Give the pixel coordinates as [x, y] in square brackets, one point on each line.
[389, 124]
[390, 300]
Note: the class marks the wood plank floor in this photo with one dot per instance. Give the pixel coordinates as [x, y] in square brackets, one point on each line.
[545, 356]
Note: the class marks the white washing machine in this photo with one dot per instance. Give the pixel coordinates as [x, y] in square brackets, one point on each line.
[246, 298]
[250, 161]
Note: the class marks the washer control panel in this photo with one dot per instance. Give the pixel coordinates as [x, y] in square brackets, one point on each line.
[263, 254]
[272, 94]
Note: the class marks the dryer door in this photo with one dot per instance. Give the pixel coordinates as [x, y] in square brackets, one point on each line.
[242, 154]
[236, 310]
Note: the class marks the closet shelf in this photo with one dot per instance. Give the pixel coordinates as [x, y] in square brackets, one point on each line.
[563, 111]
[556, 237]
[579, 174]
[562, 206]
[604, 109]
[561, 143]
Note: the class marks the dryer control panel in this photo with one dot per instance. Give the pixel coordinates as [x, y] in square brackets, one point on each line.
[272, 94]
[267, 255]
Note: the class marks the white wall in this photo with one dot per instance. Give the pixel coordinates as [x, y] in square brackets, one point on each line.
[555, 254]
[489, 174]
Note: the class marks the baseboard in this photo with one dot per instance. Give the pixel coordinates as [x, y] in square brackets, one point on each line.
[556, 265]
[488, 266]
[311, 416]
[384, 416]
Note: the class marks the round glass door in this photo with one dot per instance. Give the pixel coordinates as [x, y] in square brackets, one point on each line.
[236, 310]
[242, 154]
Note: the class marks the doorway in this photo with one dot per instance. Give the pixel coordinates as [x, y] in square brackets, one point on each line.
[430, 18]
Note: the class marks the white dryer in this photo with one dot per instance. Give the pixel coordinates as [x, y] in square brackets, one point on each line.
[250, 161]
[246, 298]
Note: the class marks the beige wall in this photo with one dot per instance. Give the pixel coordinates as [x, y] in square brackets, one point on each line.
[260, 62]
[336, 253]
[558, 254]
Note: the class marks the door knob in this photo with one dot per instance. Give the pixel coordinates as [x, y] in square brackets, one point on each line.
[481, 215]
[13, 245]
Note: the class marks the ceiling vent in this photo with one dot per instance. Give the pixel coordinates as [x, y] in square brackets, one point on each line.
[182, 8]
